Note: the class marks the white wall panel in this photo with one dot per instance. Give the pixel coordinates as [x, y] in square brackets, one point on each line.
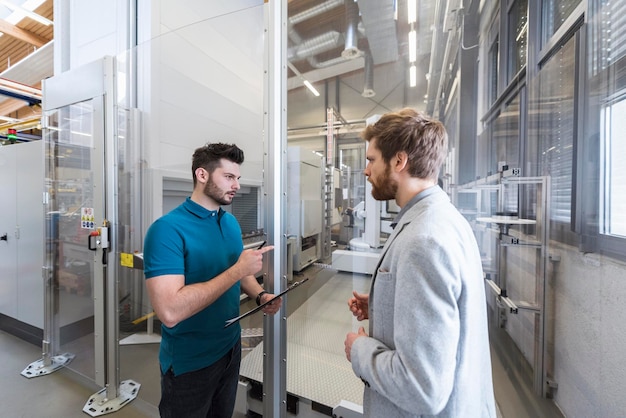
[96, 28]
[203, 83]
[200, 107]
[180, 13]
[92, 51]
[100, 25]
[205, 64]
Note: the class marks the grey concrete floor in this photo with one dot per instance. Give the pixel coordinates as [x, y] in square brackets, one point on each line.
[63, 395]
[58, 395]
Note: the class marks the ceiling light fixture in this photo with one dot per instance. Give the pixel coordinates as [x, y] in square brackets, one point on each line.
[412, 11]
[306, 82]
[412, 20]
[412, 46]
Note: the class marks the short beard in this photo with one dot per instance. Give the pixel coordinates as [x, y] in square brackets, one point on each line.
[212, 191]
[386, 188]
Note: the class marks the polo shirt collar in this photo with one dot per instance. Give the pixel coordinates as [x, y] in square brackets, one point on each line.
[200, 211]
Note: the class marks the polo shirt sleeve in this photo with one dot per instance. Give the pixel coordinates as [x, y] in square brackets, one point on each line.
[163, 250]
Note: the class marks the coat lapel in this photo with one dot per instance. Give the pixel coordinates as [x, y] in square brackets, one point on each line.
[394, 234]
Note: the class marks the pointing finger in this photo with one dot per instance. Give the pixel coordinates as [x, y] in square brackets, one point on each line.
[266, 249]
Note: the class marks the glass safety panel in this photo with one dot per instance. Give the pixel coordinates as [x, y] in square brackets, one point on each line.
[348, 63]
[206, 85]
[139, 331]
[71, 215]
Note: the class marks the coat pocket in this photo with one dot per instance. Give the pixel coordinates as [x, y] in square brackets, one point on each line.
[382, 307]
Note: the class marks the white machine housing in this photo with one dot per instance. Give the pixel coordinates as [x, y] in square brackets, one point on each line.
[305, 216]
[363, 252]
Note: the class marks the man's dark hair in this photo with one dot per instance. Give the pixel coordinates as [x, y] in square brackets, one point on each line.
[422, 137]
[209, 157]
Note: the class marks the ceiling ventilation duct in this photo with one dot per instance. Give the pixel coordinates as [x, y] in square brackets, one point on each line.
[351, 49]
[373, 19]
[309, 48]
[315, 11]
[309, 14]
[368, 88]
[378, 18]
[316, 45]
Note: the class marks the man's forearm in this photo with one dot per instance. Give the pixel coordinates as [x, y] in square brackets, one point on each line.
[251, 287]
[174, 304]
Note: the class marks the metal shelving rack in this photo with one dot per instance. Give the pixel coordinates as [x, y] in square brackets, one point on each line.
[521, 219]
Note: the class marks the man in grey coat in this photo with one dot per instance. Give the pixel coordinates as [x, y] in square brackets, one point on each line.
[427, 349]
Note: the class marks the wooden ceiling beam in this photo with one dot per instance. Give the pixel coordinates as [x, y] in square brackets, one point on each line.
[21, 34]
[9, 106]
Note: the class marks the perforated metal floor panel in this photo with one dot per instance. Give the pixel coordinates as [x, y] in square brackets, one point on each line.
[317, 368]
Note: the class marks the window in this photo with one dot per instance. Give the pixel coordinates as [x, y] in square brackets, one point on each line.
[554, 14]
[607, 36]
[502, 133]
[613, 152]
[506, 134]
[493, 72]
[555, 129]
[518, 37]
[603, 146]
[506, 138]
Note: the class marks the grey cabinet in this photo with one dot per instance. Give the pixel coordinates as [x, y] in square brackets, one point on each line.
[22, 220]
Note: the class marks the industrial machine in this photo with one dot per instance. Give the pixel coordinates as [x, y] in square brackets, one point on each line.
[373, 218]
[306, 209]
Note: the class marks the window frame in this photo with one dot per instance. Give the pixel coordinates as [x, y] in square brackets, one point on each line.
[513, 74]
[588, 223]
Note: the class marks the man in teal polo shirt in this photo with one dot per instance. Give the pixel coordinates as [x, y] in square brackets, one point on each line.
[195, 269]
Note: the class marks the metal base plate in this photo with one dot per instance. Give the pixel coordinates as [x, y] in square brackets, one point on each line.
[38, 368]
[141, 338]
[98, 404]
[347, 409]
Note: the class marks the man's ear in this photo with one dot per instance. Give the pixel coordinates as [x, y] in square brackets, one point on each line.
[400, 161]
[202, 175]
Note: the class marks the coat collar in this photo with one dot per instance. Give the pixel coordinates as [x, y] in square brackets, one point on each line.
[413, 208]
[421, 195]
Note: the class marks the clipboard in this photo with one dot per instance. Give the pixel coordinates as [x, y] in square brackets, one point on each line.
[261, 306]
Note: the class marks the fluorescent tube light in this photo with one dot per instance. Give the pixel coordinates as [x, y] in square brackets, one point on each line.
[304, 80]
[310, 87]
[412, 11]
[412, 76]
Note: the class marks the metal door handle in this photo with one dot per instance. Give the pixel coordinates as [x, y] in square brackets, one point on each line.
[92, 242]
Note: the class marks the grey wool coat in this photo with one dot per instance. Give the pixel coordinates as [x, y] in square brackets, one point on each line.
[427, 353]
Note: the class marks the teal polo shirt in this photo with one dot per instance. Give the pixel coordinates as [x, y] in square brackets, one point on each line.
[200, 244]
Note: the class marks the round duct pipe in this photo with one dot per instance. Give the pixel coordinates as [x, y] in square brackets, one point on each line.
[368, 88]
[309, 14]
[351, 49]
[315, 11]
[310, 47]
